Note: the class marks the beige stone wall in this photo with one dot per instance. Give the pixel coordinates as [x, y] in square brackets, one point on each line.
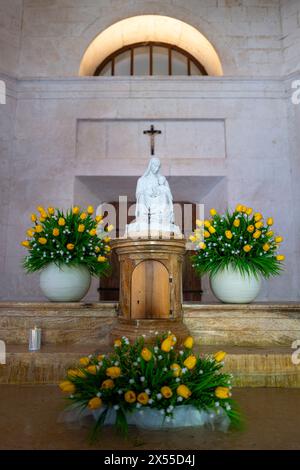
[290, 17]
[246, 34]
[10, 35]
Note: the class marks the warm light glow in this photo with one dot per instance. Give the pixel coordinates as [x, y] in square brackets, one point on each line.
[150, 28]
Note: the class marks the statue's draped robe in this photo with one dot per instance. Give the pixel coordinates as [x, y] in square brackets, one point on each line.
[154, 199]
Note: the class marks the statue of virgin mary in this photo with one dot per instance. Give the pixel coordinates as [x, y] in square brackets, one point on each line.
[154, 204]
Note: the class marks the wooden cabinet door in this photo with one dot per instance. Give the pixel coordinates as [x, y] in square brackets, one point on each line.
[150, 290]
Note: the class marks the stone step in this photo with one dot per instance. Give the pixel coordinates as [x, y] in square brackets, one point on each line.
[263, 324]
[251, 367]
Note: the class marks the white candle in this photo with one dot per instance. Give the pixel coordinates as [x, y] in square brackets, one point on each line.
[35, 339]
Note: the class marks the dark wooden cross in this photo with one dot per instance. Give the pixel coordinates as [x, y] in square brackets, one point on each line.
[152, 132]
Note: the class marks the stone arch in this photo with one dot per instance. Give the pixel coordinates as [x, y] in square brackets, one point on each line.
[146, 28]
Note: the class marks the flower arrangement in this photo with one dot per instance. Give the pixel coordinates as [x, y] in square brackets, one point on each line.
[72, 237]
[136, 377]
[240, 238]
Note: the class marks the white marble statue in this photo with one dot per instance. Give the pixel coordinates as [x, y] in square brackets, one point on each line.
[154, 205]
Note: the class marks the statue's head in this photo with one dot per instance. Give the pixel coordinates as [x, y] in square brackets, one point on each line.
[154, 165]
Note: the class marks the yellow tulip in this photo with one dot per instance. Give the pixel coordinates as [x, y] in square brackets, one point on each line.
[259, 225]
[42, 219]
[219, 356]
[113, 372]
[101, 259]
[55, 232]
[257, 234]
[130, 396]
[207, 223]
[100, 357]
[92, 369]
[72, 373]
[38, 229]
[143, 398]
[243, 209]
[211, 229]
[51, 210]
[213, 212]
[25, 243]
[166, 392]
[83, 216]
[270, 221]
[183, 391]
[236, 222]
[117, 343]
[109, 228]
[176, 370]
[106, 239]
[280, 257]
[90, 210]
[81, 374]
[199, 223]
[239, 208]
[107, 248]
[95, 403]
[107, 384]
[92, 232]
[33, 217]
[61, 222]
[222, 392]
[202, 246]
[166, 345]
[67, 387]
[70, 246]
[97, 249]
[250, 228]
[42, 240]
[192, 238]
[146, 354]
[30, 232]
[266, 247]
[172, 338]
[84, 361]
[81, 228]
[247, 248]
[75, 210]
[249, 211]
[98, 218]
[189, 342]
[270, 233]
[228, 234]
[41, 210]
[278, 239]
[206, 234]
[257, 217]
[190, 361]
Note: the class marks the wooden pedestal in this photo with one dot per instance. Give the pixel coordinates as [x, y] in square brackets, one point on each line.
[150, 287]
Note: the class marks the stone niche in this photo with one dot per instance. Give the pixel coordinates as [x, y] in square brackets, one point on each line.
[189, 192]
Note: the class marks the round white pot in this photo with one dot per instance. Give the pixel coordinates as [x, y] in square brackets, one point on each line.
[65, 283]
[231, 287]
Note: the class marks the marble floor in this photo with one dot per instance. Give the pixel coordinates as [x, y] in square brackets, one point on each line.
[29, 420]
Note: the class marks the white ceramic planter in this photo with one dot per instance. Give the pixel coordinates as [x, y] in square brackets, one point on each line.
[231, 287]
[65, 283]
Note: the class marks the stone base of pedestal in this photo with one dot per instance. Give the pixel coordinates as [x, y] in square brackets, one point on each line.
[132, 329]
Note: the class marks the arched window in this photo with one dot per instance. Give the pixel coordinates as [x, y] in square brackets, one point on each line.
[150, 58]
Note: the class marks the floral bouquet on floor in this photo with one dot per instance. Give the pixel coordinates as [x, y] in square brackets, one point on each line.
[68, 247]
[152, 386]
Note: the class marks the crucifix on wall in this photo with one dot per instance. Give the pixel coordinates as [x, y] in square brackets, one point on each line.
[152, 132]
